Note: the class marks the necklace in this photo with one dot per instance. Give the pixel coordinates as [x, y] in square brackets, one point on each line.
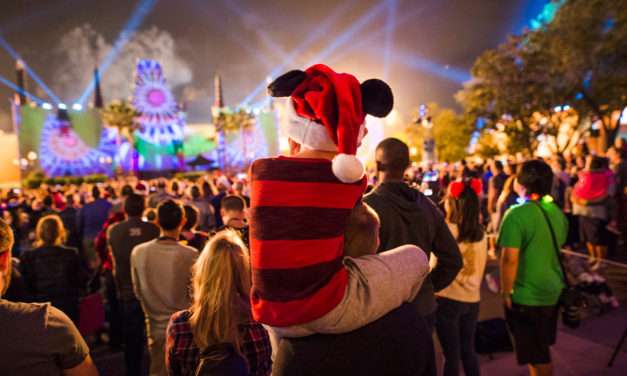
[164, 238]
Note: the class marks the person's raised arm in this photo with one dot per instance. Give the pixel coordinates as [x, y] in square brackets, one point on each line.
[509, 269]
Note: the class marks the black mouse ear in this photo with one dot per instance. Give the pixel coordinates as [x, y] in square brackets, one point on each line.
[285, 84]
[376, 98]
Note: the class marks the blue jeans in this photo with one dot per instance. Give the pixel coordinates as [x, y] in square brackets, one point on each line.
[455, 326]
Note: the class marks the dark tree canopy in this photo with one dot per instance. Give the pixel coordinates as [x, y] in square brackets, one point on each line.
[579, 60]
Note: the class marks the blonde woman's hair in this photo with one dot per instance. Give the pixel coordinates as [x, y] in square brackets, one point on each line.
[6, 237]
[220, 290]
[50, 231]
[6, 244]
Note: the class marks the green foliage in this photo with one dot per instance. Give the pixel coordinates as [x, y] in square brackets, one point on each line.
[195, 145]
[190, 175]
[414, 137]
[35, 180]
[452, 133]
[587, 41]
[508, 87]
[579, 59]
[229, 122]
[487, 147]
[121, 115]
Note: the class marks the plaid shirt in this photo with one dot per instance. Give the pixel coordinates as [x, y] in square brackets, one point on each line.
[182, 354]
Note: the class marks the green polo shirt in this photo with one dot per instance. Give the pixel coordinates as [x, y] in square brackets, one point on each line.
[539, 280]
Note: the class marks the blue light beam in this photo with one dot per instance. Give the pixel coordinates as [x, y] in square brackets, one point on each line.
[7, 47]
[137, 17]
[370, 38]
[422, 64]
[447, 72]
[12, 86]
[311, 38]
[412, 61]
[346, 36]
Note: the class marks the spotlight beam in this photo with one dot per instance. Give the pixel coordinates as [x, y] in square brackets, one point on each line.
[410, 60]
[244, 43]
[7, 47]
[357, 26]
[136, 19]
[265, 37]
[311, 38]
[12, 86]
[389, 36]
[368, 40]
[422, 64]
[413, 61]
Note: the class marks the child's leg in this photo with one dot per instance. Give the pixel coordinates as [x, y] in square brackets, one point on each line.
[591, 253]
[377, 284]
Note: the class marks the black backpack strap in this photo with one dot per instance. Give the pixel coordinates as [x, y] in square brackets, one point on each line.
[555, 244]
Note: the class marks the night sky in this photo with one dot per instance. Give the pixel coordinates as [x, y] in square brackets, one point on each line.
[431, 44]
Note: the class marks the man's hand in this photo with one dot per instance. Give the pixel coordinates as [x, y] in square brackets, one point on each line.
[507, 300]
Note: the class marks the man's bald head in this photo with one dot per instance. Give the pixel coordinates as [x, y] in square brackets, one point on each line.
[392, 158]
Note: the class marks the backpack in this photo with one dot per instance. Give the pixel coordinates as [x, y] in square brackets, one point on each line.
[232, 363]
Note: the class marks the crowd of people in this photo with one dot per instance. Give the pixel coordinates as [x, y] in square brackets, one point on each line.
[589, 189]
[160, 235]
[302, 267]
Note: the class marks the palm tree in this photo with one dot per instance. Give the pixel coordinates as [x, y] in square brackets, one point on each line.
[122, 115]
[228, 123]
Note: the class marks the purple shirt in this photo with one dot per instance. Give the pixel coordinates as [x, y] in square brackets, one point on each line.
[92, 217]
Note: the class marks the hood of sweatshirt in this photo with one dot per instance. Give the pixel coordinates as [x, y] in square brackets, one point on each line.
[405, 200]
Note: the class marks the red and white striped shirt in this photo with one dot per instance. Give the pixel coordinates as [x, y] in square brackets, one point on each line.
[299, 213]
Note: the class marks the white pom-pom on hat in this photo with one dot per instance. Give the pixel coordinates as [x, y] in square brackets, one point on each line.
[347, 168]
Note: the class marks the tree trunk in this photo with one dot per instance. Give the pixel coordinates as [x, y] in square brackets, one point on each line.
[118, 162]
[221, 148]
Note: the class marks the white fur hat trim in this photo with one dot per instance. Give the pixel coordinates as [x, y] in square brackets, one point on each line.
[347, 168]
[308, 133]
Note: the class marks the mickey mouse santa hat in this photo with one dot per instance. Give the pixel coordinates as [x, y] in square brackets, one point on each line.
[327, 111]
